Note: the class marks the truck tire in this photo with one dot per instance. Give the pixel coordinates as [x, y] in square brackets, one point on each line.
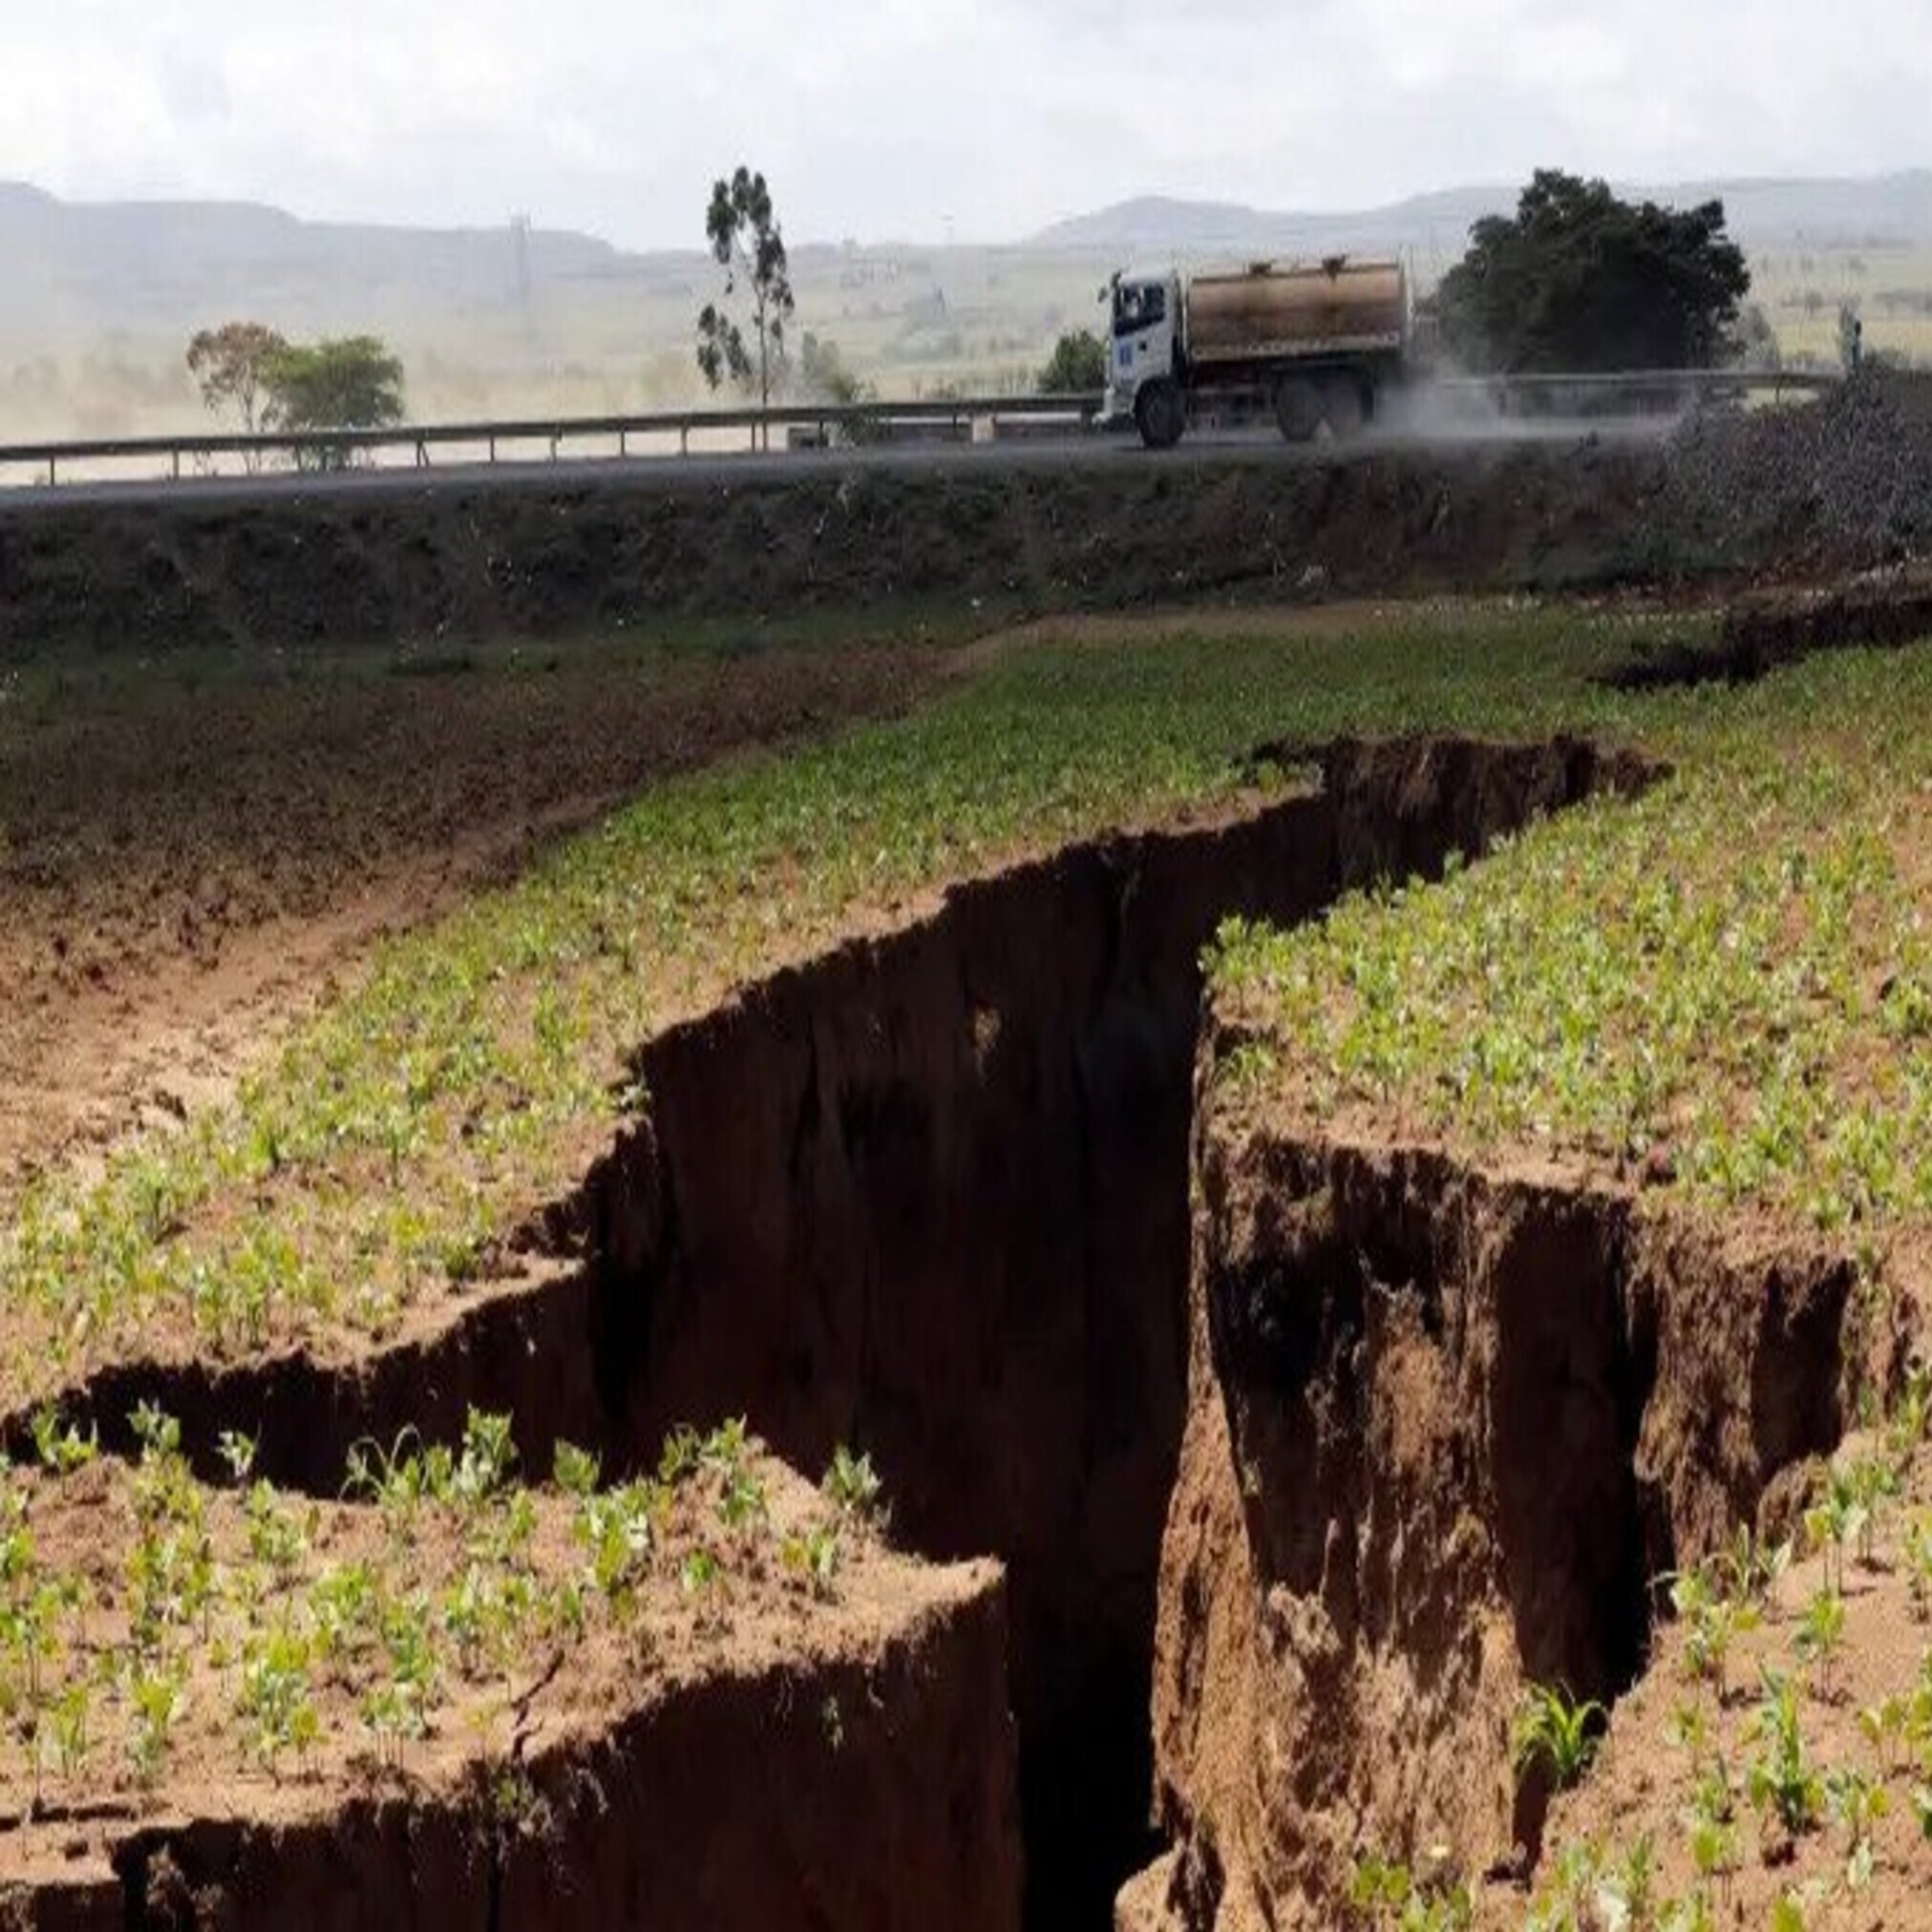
[1298, 409]
[1344, 409]
[1160, 412]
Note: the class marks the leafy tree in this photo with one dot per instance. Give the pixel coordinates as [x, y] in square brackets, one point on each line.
[1581, 280]
[748, 245]
[233, 365]
[343, 383]
[1754, 342]
[346, 383]
[1077, 366]
[822, 373]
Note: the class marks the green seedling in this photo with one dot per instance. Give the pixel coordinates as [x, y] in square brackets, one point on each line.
[851, 1485]
[1915, 1552]
[1781, 1781]
[1387, 1893]
[275, 1696]
[813, 1555]
[1627, 1894]
[1873, 1482]
[743, 1502]
[1821, 1635]
[578, 1471]
[1712, 1624]
[238, 1452]
[60, 1448]
[1857, 1801]
[1839, 1517]
[1888, 1727]
[1754, 1567]
[157, 1698]
[70, 1726]
[723, 1449]
[1557, 1732]
[683, 1456]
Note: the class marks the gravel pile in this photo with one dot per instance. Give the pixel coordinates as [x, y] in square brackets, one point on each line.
[1845, 480]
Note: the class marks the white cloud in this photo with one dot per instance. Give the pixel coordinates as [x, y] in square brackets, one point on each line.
[888, 117]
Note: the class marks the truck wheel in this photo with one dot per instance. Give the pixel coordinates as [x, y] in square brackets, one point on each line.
[1160, 411]
[1298, 408]
[1343, 408]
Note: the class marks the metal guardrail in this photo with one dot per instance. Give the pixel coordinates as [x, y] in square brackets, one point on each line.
[318, 449]
[856, 421]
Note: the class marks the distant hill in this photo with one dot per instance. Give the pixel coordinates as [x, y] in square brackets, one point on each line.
[1157, 224]
[166, 264]
[1884, 209]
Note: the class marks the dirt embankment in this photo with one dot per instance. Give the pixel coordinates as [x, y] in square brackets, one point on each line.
[1445, 1429]
[460, 563]
[800, 1763]
[1785, 491]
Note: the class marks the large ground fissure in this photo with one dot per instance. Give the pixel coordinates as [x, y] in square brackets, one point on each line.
[930, 1196]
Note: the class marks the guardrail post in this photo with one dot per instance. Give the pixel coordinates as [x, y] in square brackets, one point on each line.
[177, 465]
[683, 439]
[623, 444]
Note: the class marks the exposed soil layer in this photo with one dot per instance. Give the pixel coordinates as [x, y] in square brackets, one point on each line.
[777, 1759]
[454, 563]
[928, 1195]
[1766, 629]
[1444, 1429]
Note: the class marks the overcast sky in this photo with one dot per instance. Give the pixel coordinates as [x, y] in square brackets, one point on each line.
[879, 118]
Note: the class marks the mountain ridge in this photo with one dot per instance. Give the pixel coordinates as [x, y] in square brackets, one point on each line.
[1761, 210]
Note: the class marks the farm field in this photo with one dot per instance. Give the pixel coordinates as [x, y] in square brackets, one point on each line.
[191, 844]
[711, 1204]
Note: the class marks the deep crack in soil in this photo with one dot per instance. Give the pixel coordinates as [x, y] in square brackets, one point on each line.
[930, 1195]
[1449, 1425]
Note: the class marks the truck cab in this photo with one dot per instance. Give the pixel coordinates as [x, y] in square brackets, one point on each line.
[1144, 337]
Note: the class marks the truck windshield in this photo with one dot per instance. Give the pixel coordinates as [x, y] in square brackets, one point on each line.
[1138, 306]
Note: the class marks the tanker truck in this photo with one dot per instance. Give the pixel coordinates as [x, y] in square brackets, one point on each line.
[1318, 342]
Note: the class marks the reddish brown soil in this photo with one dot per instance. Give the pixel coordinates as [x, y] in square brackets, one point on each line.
[186, 861]
[1444, 1429]
[766, 1756]
[1642, 1785]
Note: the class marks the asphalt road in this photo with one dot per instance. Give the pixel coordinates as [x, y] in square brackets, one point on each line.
[706, 470]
